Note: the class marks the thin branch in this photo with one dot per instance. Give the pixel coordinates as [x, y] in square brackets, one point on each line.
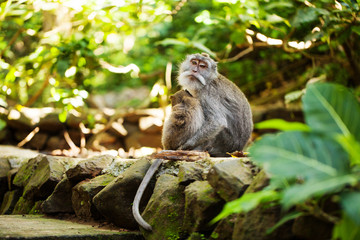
[33, 99]
[12, 41]
[239, 55]
[28, 137]
[69, 141]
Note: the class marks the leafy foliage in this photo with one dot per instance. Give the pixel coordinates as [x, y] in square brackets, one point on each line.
[308, 166]
[51, 51]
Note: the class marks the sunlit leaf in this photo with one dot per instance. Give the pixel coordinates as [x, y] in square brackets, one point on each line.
[292, 96]
[63, 116]
[281, 124]
[246, 203]
[351, 146]
[332, 108]
[278, 4]
[172, 41]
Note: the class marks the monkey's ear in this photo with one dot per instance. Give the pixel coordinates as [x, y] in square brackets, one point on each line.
[205, 55]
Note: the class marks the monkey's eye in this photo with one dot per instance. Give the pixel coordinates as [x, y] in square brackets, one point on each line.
[193, 62]
[202, 65]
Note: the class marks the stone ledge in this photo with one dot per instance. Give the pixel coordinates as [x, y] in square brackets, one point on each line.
[38, 227]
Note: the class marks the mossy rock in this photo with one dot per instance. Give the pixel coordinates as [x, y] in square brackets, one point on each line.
[224, 228]
[202, 204]
[23, 206]
[165, 209]
[36, 209]
[60, 200]
[190, 172]
[9, 201]
[115, 200]
[26, 171]
[48, 173]
[83, 193]
[230, 178]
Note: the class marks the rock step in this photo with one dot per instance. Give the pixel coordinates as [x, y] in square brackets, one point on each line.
[40, 228]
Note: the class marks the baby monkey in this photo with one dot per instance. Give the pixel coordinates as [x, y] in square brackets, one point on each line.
[186, 118]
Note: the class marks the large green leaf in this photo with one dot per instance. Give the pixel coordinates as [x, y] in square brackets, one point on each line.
[301, 154]
[332, 109]
[300, 193]
[350, 203]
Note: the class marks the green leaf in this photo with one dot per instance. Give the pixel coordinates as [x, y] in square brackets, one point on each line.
[356, 29]
[2, 124]
[351, 146]
[300, 154]
[308, 15]
[238, 36]
[332, 109]
[300, 193]
[292, 96]
[172, 41]
[285, 219]
[275, 5]
[281, 124]
[350, 203]
[63, 116]
[346, 229]
[246, 203]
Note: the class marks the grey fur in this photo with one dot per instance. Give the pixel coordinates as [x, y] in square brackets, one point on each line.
[228, 119]
[185, 120]
[216, 117]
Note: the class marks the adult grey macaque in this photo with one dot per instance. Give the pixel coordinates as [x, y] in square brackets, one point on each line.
[228, 120]
[224, 126]
[185, 120]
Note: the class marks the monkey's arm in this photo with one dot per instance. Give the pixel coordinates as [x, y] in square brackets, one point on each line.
[209, 130]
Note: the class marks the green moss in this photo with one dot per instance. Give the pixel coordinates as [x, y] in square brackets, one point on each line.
[173, 216]
[37, 208]
[23, 206]
[173, 237]
[176, 197]
[214, 235]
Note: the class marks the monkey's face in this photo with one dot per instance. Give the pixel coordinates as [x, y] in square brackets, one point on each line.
[197, 71]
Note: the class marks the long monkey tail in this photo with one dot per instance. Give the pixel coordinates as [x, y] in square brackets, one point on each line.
[135, 207]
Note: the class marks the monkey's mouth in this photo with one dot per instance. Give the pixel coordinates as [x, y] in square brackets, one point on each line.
[199, 78]
[192, 78]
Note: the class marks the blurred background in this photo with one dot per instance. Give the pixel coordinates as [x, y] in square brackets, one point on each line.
[85, 76]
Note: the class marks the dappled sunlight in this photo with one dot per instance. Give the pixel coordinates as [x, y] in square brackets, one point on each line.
[92, 81]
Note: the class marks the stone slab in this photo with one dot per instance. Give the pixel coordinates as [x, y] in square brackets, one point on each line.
[40, 228]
